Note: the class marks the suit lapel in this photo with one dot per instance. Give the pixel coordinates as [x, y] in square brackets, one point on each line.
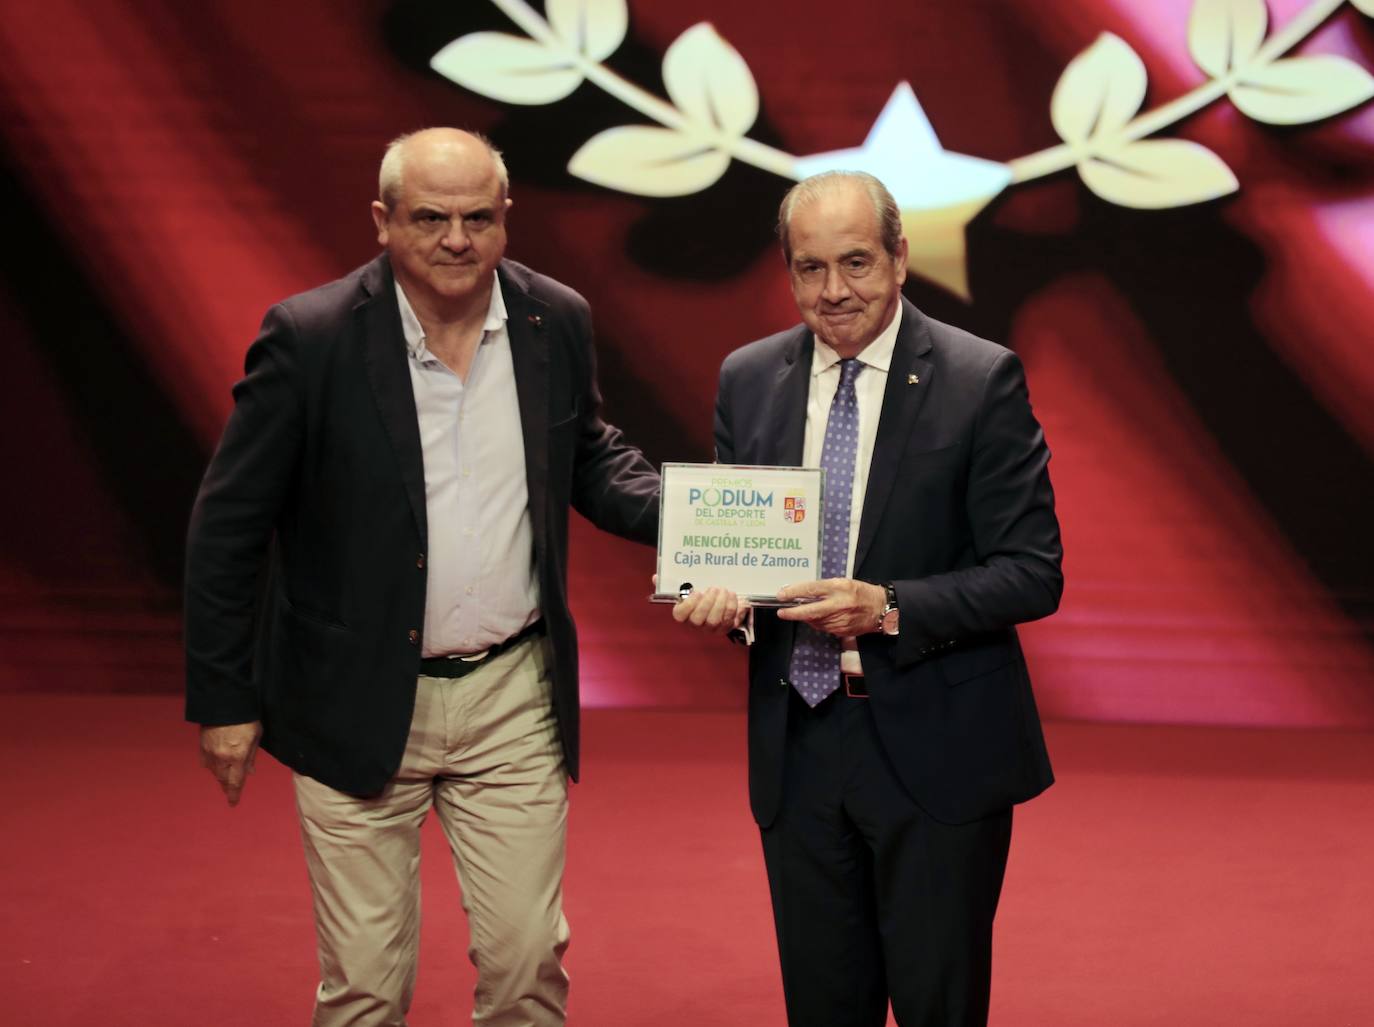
[787, 429]
[909, 380]
[527, 329]
[787, 432]
[388, 372]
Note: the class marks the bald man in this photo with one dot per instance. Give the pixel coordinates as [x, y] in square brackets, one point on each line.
[401, 457]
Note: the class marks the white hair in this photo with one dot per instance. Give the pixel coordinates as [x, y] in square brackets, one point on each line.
[811, 189]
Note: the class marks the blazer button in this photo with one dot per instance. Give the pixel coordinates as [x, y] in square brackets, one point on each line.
[414, 637]
[420, 561]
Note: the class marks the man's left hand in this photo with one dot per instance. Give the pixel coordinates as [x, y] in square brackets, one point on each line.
[716, 610]
[842, 606]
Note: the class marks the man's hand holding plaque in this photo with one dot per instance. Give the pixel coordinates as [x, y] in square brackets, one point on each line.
[837, 606]
[715, 609]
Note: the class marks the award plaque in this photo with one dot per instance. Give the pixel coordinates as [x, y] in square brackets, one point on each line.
[749, 529]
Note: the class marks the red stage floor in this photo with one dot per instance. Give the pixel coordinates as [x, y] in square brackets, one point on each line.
[1173, 876]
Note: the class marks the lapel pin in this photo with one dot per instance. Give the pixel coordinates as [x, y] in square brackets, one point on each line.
[913, 379]
[536, 320]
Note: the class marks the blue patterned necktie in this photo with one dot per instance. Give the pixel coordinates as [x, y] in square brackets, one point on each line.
[816, 654]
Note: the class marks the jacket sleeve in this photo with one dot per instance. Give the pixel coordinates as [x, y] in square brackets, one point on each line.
[232, 522]
[724, 423]
[1017, 576]
[614, 486]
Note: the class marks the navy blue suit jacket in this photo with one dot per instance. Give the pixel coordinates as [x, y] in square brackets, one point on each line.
[959, 515]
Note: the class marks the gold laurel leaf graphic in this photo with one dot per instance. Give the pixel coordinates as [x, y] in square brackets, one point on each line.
[507, 68]
[648, 161]
[1095, 110]
[710, 82]
[1157, 174]
[593, 28]
[1224, 35]
[1298, 90]
[1099, 91]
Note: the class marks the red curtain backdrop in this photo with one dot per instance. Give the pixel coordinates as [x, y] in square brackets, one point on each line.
[1205, 374]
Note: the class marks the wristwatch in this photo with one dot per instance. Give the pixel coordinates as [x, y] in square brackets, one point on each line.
[888, 621]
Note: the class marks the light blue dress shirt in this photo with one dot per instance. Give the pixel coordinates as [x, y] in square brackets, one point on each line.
[481, 584]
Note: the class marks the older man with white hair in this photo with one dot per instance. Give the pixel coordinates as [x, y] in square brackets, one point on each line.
[891, 721]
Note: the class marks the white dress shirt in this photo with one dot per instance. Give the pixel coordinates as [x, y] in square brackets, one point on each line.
[876, 358]
[481, 586]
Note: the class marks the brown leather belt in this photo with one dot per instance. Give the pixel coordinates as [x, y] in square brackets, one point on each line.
[461, 664]
[855, 686]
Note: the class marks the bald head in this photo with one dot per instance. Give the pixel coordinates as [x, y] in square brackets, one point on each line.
[437, 146]
[442, 220]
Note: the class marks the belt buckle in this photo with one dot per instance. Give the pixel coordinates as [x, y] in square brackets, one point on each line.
[854, 686]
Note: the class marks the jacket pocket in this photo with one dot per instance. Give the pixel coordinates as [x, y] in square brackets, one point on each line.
[938, 451]
[312, 618]
[966, 664]
[565, 422]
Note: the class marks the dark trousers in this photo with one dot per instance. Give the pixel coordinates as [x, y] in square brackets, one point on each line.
[872, 899]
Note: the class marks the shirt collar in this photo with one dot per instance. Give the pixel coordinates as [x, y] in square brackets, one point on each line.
[877, 354]
[415, 334]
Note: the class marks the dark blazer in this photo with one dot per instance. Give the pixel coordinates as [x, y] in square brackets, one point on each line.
[319, 477]
[959, 514]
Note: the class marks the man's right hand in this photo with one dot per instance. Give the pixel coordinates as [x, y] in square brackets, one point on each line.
[227, 751]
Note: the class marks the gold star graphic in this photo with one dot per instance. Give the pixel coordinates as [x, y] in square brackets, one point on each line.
[938, 192]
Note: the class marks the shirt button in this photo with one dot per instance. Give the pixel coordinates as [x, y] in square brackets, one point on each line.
[467, 474]
[469, 590]
[420, 561]
[414, 636]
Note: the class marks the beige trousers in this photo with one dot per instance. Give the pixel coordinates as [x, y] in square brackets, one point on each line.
[483, 752]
